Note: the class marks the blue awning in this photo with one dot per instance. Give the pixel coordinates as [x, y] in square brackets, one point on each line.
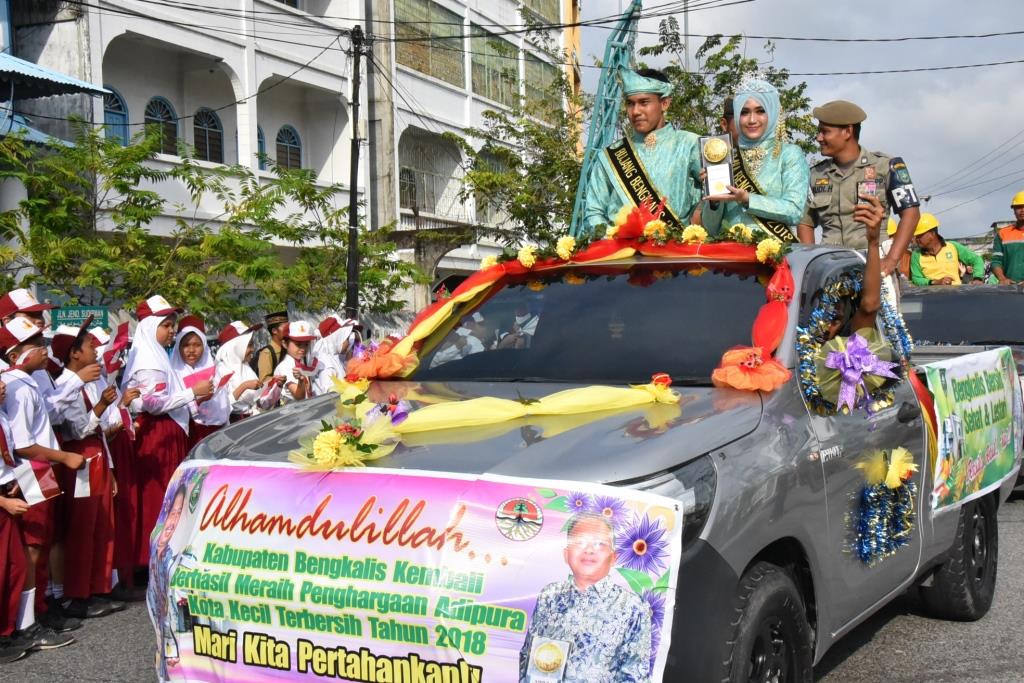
[20, 125]
[31, 80]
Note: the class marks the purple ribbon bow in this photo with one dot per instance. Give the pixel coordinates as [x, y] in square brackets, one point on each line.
[852, 364]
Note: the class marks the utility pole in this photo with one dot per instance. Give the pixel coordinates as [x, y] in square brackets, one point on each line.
[352, 271]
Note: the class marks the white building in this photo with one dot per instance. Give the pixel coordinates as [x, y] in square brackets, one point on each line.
[233, 78]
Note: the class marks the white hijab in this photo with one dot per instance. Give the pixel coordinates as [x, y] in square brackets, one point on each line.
[327, 350]
[177, 362]
[231, 357]
[147, 354]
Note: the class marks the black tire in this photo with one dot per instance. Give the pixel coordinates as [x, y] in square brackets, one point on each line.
[964, 585]
[771, 639]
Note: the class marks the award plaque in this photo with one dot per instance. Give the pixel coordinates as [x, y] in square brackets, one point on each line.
[716, 158]
[548, 658]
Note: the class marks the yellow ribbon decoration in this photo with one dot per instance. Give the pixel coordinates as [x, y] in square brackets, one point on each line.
[488, 410]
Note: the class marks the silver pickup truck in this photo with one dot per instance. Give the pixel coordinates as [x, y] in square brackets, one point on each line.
[767, 578]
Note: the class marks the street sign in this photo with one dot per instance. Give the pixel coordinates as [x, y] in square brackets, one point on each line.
[76, 315]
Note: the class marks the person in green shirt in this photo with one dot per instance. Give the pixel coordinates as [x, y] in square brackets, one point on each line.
[1008, 246]
[938, 261]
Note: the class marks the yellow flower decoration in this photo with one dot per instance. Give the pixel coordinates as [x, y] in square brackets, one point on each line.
[535, 285]
[741, 232]
[488, 262]
[768, 250]
[565, 246]
[527, 256]
[656, 229]
[573, 279]
[325, 447]
[694, 234]
[611, 232]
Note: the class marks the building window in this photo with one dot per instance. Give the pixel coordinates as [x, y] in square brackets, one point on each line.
[261, 148]
[160, 117]
[495, 63]
[115, 116]
[430, 40]
[209, 136]
[545, 9]
[540, 76]
[290, 3]
[289, 148]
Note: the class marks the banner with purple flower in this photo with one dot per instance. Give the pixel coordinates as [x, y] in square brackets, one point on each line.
[376, 574]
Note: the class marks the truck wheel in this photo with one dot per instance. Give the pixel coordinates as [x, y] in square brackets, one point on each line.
[963, 587]
[771, 639]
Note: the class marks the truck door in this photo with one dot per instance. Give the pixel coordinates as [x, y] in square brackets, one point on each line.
[853, 585]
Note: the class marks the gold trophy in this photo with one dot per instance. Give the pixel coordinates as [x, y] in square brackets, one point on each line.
[716, 158]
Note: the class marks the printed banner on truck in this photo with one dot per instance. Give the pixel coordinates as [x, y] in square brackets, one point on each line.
[978, 415]
[267, 572]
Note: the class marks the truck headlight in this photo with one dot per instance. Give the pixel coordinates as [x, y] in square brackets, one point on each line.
[693, 485]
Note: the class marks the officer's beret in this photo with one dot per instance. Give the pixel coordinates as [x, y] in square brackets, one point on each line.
[839, 113]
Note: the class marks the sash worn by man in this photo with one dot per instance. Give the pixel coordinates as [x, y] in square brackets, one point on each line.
[654, 161]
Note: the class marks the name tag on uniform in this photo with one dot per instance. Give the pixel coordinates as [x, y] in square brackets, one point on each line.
[821, 185]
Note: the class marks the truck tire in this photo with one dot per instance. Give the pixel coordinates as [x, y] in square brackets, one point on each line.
[963, 586]
[771, 639]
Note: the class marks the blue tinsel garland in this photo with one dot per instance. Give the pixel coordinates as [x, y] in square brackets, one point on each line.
[811, 336]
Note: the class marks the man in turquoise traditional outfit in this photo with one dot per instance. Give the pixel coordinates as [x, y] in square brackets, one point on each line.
[654, 162]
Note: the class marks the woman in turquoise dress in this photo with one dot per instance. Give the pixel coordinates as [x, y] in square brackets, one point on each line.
[774, 198]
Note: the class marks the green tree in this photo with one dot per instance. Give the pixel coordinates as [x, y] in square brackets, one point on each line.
[85, 232]
[720, 66]
[523, 162]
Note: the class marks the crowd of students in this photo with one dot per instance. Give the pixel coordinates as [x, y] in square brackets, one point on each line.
[92, 428]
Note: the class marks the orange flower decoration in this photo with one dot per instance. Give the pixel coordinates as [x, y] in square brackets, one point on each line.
[661, 379]
[380, 363]
[751, 369]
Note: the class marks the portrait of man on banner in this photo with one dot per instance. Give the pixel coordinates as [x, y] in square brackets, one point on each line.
[587, 628]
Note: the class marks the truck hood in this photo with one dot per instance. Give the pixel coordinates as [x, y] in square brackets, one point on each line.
[607, 447]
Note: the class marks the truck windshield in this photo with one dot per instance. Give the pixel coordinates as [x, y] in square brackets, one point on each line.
[968, 315]
[610, 324]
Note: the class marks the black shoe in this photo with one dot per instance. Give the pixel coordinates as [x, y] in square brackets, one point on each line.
[43, 638]
[122, 593]
[56, 620]
[84, 609]
[109, 604]
[12, 649]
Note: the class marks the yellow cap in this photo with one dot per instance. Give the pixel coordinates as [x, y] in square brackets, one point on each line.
[1018, 199]
[927, 222]
[891, 227]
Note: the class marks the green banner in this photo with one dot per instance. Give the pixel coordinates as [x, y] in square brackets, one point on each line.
[76, 315]
[978, 424]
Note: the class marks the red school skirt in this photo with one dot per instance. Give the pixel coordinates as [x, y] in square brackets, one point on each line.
[197, 432]
[12, 572]
[126, 506]
[160, 446]
[88, 522]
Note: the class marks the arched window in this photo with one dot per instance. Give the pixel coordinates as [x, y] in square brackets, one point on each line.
[160, 117]
[115, 116]
[289, 148]
[261, 148]
[209, 136]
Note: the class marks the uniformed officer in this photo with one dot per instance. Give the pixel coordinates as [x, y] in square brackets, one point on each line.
[269, 356]
[834, 182]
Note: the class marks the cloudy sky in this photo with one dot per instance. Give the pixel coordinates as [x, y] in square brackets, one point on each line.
[940, 122]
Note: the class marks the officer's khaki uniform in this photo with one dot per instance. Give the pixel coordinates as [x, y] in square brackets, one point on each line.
[833, 196]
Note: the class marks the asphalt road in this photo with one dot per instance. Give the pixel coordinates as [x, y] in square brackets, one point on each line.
[897, 644]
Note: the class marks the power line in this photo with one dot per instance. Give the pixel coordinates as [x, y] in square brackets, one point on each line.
[590, 22]
[957, 173]
[974, 199]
